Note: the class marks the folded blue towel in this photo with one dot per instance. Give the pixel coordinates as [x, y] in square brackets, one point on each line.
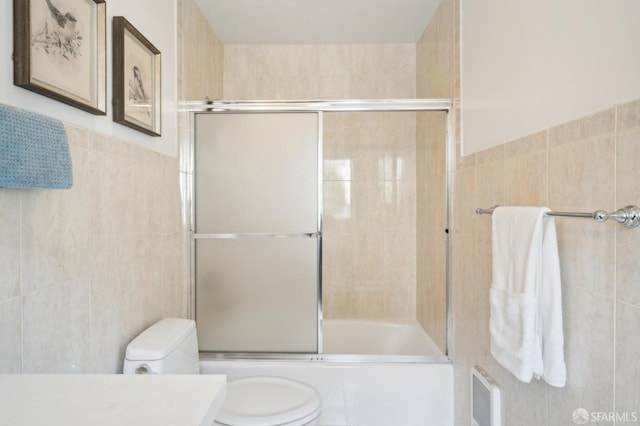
[34, 151]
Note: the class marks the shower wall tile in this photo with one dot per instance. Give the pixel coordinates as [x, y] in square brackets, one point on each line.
[9, 244]
[201, 55]
[490, 180]
[399, 300]
[369, 198]
[337, 267]
[537, 142]
[175, 276]
[72, 255]
[627, 375]
[527, 183]
[143, 221]
[582, 165]
[589, 342]
[594, 126]
[170, 201]
[461, 396]
[56, 329]
[431, 225]
[437, 54]
[464, 161]
[582, 183]
[628, 192]
[83, 298]
[628, 117]
[55, 230]
[491, 155]
[11, 336]
[583, 169]
[338, 209]
[110, 190]
[465, 261]
[319, 71]
[334, 60]
[369, 163]
[530, 398]
[82, 271]
[112, 302]
[147, 273]
[581, 178]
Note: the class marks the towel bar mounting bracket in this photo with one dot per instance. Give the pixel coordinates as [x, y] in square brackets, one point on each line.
[628, 216]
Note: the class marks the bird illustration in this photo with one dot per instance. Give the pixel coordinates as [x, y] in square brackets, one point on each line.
[66, 21]
[58, 35]
[136, 90]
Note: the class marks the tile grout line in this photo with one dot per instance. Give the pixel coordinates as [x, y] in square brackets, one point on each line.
[615, 253]
[21, 275]
[547, 203]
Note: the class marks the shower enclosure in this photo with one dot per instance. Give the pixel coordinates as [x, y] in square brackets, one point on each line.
[320, 229]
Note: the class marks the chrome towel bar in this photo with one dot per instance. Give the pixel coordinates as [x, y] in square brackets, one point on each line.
[628, 216]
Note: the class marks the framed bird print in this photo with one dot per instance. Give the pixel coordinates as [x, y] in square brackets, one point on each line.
[136, 79]
[59, 50]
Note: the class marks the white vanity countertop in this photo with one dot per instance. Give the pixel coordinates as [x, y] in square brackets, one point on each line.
[110, 399]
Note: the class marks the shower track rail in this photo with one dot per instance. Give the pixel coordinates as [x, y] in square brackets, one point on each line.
[337, 105]
[628, 216]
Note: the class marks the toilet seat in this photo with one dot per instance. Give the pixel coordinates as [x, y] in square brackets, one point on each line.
[268, 401]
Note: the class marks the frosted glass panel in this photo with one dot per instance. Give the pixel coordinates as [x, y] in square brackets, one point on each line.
[256, 173]
[257, 294]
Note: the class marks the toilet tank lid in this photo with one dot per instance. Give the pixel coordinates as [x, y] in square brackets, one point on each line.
[159, 340]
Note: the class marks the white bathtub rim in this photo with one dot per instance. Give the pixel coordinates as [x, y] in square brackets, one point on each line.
[342, 359]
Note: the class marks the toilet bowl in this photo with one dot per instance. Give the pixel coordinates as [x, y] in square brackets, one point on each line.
[269, 401]
[171, 347]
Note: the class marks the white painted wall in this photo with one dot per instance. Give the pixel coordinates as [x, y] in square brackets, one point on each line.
[156, 19]
[529, 65]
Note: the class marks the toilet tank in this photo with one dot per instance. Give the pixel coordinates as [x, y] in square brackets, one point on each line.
[169, 346]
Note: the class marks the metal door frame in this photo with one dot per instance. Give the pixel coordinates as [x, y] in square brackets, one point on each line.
[319, 107]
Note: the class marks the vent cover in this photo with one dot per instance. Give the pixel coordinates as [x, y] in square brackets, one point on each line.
[485, 399]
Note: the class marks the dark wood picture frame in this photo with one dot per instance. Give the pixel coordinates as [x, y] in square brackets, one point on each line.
[59, 51]
[136, 79]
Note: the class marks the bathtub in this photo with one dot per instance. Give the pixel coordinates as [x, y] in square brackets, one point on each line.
[377, 374]
[367, 337]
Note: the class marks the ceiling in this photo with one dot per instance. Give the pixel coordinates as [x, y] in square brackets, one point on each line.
[318, 21]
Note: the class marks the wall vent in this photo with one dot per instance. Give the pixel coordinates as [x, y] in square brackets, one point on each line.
[485, 399]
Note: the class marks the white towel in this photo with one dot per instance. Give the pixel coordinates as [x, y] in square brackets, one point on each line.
[525, 295]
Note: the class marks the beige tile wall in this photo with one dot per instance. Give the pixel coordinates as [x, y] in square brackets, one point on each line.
[579, 166]
[200, 71]
[319, 71]
[583, 165]
[369, 182]
[369, 257]
[83, 271]
[86, 269]
[437, 75]
[200, 75]
[431, 225]
[369, 229]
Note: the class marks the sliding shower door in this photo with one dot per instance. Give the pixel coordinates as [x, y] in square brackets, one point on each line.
[257, 232]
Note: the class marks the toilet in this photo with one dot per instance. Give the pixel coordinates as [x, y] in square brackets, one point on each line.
[170, 346]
